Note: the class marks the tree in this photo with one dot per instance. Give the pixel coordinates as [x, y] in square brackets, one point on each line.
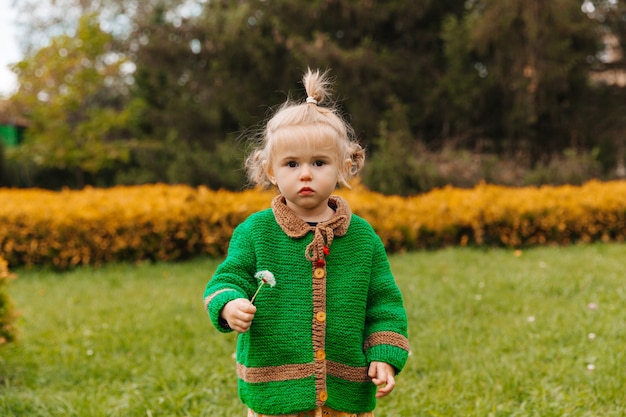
[533, 56]
[512, 75]
[611, 14]
[608, 104]
[240, 57]
[73, 94]
[41, 20]
[381, 52]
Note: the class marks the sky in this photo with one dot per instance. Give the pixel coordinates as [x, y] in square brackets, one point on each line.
[9, 50]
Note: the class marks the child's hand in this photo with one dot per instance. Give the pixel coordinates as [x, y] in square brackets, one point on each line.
[239, 314]
[382, 375]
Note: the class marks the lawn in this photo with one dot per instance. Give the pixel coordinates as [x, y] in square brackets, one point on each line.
[493, 333]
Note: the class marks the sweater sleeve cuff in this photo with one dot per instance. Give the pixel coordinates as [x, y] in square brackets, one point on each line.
[214, 303]
[393, 355]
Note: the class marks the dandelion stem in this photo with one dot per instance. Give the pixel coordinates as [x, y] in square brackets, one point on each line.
[256, 293]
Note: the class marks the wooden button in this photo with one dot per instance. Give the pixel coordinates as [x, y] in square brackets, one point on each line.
[321, 354]
[319, 273]
[321, 316]
[323, 396]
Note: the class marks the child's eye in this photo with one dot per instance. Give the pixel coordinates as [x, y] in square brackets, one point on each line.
[319, 163]
[292, 164]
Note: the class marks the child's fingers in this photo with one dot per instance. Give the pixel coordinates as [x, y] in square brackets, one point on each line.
[246, 306]
[239, 314]
[240, 326]
[386, 387]
[382, 375]
[243, 316]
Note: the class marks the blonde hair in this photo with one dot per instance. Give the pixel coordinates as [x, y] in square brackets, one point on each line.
[308, 122]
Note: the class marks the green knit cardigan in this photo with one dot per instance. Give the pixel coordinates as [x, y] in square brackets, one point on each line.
[335, 308]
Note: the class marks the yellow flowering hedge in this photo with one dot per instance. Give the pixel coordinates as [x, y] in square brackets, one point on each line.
[8, 331]
[499, 216]
[162, 222]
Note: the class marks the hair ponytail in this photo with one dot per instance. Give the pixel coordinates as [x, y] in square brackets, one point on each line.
[317, 85]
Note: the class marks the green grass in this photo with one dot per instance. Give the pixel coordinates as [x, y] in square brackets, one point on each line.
[492, 334]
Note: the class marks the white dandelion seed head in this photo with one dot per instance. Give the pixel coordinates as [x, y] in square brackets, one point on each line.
[266, 277]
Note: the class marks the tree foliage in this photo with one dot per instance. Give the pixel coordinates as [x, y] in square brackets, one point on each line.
[485, 75]
[532, 75]
[72, 92]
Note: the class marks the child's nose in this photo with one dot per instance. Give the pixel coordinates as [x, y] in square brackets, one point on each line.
[305, 172]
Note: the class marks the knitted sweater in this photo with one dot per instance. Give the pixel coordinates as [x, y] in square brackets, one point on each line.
[335, 308]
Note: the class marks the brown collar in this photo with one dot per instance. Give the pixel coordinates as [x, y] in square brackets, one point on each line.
[324, 232]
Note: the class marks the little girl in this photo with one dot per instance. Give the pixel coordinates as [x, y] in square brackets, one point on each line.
[329, 334]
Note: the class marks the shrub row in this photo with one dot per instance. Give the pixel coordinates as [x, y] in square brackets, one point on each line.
[8, 331]
[161, 222]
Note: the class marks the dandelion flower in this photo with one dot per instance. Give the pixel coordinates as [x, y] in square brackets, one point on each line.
[264, 277]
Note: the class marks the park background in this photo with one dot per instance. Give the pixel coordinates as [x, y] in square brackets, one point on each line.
[440, 92]
[495, 139]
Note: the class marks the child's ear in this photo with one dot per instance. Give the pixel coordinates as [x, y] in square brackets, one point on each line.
[269, 173]
[348, 165]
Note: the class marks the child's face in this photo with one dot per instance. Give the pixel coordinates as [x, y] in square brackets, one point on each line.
[306, 177]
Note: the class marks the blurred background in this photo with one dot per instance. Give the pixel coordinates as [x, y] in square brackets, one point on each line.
[106, 92]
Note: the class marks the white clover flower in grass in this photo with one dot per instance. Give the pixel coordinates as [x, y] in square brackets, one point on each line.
[264, 277]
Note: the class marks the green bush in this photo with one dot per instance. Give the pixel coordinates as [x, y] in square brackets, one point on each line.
[400, 166]
[570, 167]
[185, 163]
